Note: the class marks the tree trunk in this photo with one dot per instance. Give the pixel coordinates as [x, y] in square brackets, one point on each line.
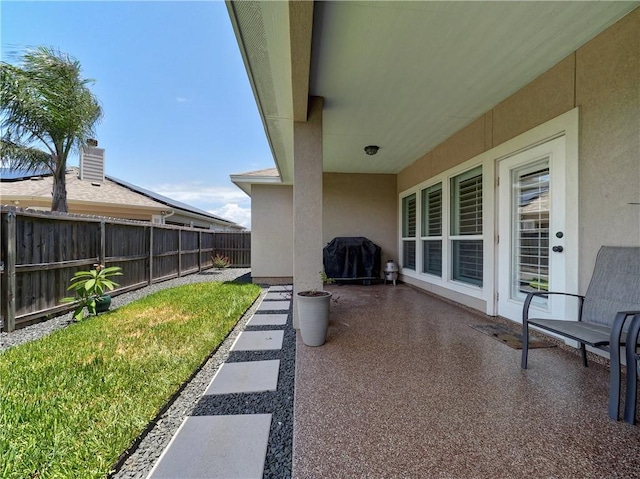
[59, 201]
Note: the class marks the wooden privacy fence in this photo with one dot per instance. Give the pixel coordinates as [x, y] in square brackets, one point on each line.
[41, 252]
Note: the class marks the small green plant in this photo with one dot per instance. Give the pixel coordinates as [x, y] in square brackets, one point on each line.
[326, 279]
[314, 292]
[90, 287]
[220, 261]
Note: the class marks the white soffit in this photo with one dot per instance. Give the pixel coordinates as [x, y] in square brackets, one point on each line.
[262, 31]
[408, 75]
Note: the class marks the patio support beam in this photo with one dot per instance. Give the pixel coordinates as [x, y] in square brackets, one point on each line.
[307, 202]
[300, 30]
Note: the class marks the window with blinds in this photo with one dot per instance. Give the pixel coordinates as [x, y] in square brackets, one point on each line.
[531, 222]
[466, 201]
[432, 230]
[409, 211]
[467, 261]
[466, 227]
[409, 254]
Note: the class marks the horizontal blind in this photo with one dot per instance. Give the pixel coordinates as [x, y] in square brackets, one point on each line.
[432, 211]
[409, 254]
[432, 257]
[432, 228]
[409, 216]
[470, 206]
[466, 220]
[467, 261]
[532, 223]
[409, 212]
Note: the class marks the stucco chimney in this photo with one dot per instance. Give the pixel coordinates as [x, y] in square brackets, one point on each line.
[92, 162]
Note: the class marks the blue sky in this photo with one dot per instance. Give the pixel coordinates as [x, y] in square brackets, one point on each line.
[179, 113]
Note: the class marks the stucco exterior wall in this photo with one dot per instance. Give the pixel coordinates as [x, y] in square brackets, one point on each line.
[362, 205]
[547, 97]
[353, 205]
[272, 245]
[608, 94]
[602, 78]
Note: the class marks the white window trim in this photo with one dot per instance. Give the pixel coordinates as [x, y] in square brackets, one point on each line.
[566, 125]
[440, 238]
[447, 281]
[403, 238]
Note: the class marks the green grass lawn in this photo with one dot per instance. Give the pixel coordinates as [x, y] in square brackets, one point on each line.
[72, 402]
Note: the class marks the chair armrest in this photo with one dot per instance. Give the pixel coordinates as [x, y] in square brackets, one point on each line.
[530, 296]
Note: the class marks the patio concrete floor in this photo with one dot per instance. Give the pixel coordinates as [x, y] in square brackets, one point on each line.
[404, 387]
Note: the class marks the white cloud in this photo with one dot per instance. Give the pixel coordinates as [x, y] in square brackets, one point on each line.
[229, 203]
[198, 193]
[181, 99]
[235, 213]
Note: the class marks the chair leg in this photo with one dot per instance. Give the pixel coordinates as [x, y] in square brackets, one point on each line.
[614, 363]
[632, 371]
[614, 381]
[583, 352]
[525, 344]
[632, 398]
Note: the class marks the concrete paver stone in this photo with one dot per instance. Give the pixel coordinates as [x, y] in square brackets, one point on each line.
[258, 341]
[216, 447]
[284, 287]
[274, 306]
[245, 377]
[278, 296]
[268, 319]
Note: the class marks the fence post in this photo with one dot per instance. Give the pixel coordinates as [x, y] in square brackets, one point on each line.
[150, 254]
[179, 253]
[10, 271]
[199, 251]
[103, 235]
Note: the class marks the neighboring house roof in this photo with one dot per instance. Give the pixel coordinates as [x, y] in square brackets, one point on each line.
[112, 197]
[108, 192]
[178, 205]
[245, 180]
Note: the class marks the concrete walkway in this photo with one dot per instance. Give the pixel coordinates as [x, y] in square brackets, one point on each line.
[232, 446]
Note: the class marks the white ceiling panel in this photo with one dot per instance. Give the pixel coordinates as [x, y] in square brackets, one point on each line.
[407, 75]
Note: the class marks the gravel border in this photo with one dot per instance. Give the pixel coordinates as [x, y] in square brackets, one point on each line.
[137, 463]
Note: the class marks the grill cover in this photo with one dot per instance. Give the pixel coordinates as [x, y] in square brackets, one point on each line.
[351, 257]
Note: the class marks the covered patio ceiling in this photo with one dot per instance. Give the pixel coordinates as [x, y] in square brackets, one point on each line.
[401, 75]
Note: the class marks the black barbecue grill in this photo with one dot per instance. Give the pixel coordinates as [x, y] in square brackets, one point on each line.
[352, 258]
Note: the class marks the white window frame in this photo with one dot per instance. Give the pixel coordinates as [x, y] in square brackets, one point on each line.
[453, 208]
[424, 238]
[567, 125]
[413, 238]
[446, 280]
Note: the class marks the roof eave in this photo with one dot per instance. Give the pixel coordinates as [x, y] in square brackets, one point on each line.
[274, 39]
[244, 182]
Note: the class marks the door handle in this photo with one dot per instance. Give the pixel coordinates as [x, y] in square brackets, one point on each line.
[557, 249]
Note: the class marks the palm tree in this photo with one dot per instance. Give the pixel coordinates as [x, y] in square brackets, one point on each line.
[47, 111]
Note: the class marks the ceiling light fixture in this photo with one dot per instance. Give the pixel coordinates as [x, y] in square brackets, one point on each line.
[371, 149]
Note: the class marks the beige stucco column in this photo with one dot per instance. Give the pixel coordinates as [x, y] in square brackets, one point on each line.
[307, 202]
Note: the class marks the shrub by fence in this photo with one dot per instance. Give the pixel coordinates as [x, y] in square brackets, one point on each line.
[41, 251]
